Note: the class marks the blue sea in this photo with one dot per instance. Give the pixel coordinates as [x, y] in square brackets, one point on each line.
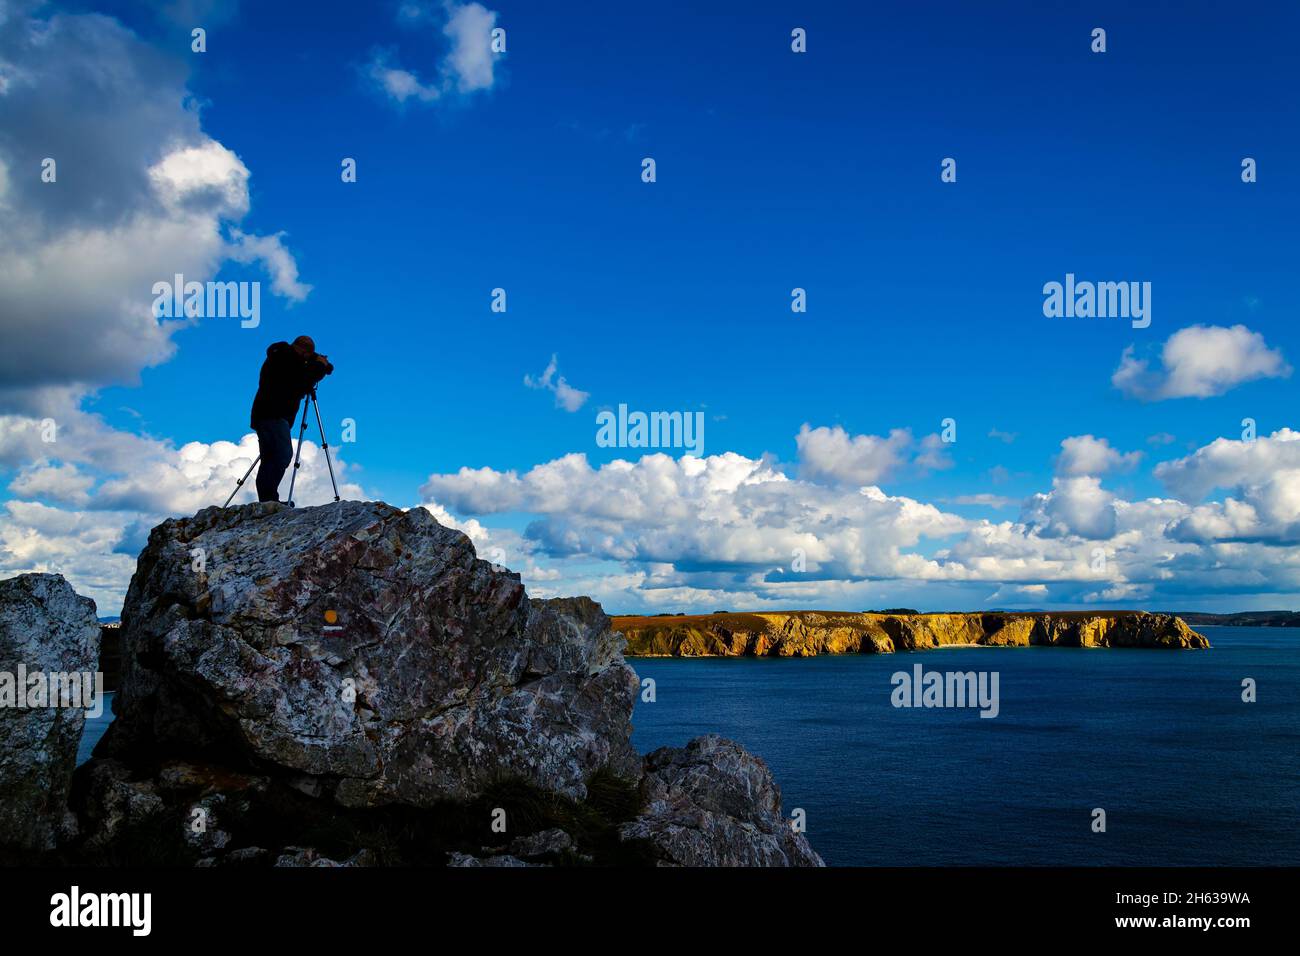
[1187, 773]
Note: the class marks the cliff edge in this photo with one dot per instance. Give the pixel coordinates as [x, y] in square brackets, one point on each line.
[806, 633]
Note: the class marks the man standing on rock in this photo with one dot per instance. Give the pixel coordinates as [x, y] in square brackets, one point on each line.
[288, 374]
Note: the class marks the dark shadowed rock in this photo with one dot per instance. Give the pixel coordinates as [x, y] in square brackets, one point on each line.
[46, 628]
[465, 859]
[110, 654]
[545, 842]
[297, 856]
[712, 803]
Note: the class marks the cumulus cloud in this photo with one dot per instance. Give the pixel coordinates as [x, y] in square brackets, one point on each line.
[723, 512]
[833, 455]
[1262, 479]
[80, 545]
[1232, 464]
[79, 255]
[1076, 506]
[663, 533]
[1200, 361]
[566, 396]
[468, 66]
[63, 483]
[699, 533]
[1086, 455]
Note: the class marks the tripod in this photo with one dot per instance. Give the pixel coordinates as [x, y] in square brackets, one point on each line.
[308, 399]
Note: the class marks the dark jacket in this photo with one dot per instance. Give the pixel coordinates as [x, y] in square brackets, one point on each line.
[286, 377]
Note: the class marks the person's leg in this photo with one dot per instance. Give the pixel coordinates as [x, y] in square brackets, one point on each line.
[277, 453]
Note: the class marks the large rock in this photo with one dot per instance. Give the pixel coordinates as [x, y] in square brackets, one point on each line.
[712, 803]
[350, 685]
[367, 651]
[46, 629]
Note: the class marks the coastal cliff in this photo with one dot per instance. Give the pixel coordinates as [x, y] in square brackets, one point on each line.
[807, 633]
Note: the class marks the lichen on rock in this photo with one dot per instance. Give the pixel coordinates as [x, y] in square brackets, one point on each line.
[438, 675]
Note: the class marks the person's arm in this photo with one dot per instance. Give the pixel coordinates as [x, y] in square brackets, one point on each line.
[318, 368]
[313, 370]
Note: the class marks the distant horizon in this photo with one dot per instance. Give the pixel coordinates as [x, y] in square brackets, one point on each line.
[113, 619]
[1098, 611]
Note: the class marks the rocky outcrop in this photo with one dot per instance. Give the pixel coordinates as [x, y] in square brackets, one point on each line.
[367, 648]
[711, 803]
[49, 636]
[806, 633]
[349, 685]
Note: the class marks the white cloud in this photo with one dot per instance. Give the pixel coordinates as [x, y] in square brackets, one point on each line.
[203, 176]
[663, 533]
[1076, 506]
[720, 512]
[468, 67]
[77, 544]
[1200, 361]
[933, 455]
[1262, 478]
[566, 396]
[718, 532]
[1086, 455]
[1230, 464]
[63, 483]
[471, 60]
[833, 455]
[79, 256]
[399, 84]
[275, 258]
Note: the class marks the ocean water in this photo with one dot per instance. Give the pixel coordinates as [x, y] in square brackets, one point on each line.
[94, 729]
[1187, 773]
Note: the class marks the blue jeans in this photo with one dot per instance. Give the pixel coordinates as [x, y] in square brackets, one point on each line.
[277, 453]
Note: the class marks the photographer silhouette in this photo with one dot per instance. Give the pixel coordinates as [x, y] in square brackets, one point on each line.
[288, 375]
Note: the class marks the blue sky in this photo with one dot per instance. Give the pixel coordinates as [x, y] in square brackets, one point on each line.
[775, 170]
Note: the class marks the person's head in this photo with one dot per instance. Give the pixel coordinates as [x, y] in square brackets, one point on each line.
[304, 346]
